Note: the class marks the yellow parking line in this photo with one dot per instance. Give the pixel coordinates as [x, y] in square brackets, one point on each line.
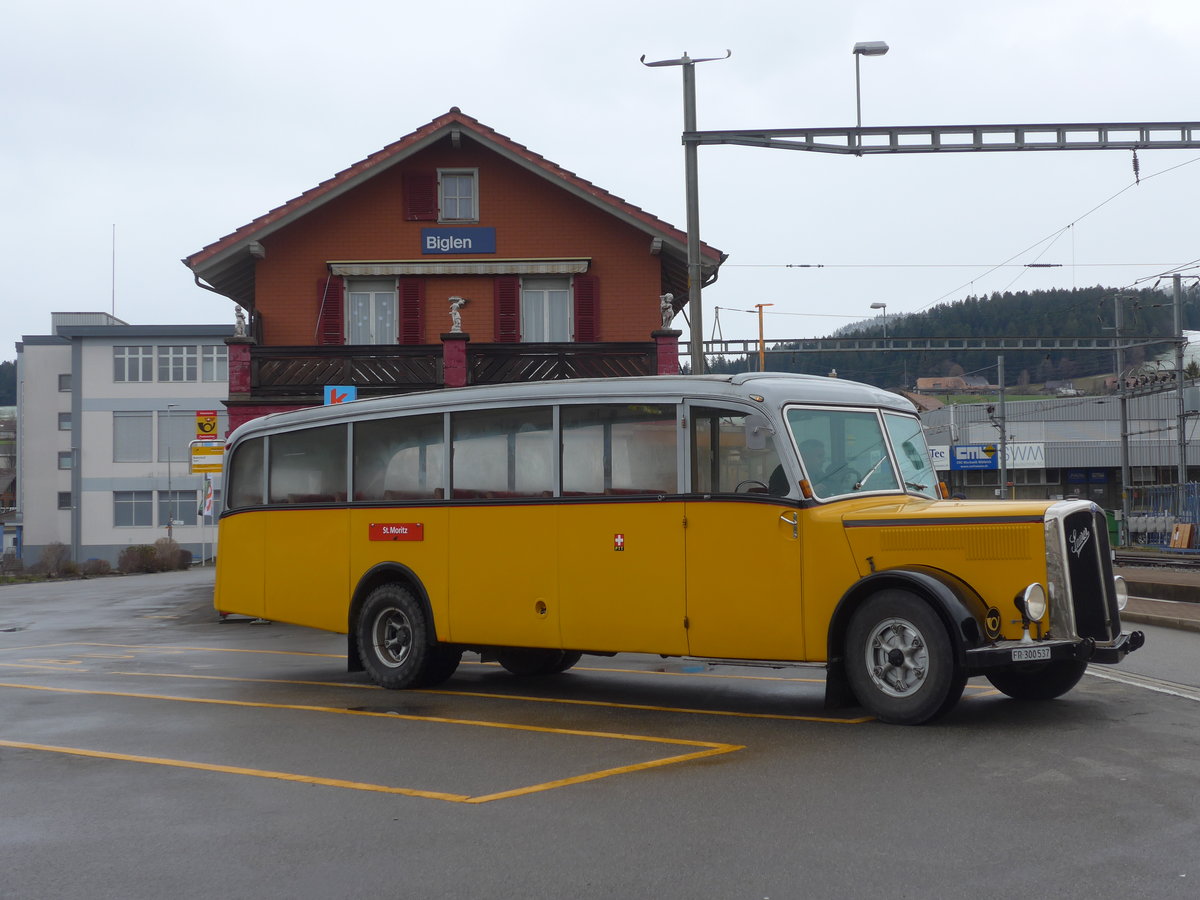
[33, 647]
[236, 770]
[709, 748]
[18, 665]
[567, 701]
[208, 649]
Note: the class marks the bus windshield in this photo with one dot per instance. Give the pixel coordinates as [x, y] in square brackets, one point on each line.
[844, 451]
[912, 453]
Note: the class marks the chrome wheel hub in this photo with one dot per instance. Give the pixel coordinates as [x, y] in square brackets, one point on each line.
[392, 637]
[897, 658]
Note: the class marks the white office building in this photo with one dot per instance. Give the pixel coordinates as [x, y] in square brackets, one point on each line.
[106, 415]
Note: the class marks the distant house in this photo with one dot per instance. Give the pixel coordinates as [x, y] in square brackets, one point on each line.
[1062, 388]
[453, 256]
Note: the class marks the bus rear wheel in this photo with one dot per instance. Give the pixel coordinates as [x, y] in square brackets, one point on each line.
[1038, 681]
[899, 659]
[395, 641]
[531, 661]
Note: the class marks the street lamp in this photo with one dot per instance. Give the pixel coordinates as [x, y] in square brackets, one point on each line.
[882, 306]
[864, 48]
[170, 493]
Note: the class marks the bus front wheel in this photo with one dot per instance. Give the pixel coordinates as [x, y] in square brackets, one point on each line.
[899, 659]
[395, 641]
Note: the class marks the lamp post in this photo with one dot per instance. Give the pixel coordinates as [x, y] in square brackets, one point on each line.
[170, 492]
[863, 48]
[762, 355]
[882, 306]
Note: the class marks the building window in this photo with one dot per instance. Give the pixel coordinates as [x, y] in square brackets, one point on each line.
[133, 364]
[372, 309]
[457, 194]
[176, 362]
[546, 310]
[176, 430]
[179, 506]
[214, 362]
[132, 436]
[64, 499]
[64, 421]
[133, 508]
[64, 382]
[66, 459]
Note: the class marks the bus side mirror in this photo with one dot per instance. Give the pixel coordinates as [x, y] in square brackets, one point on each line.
[758, 429]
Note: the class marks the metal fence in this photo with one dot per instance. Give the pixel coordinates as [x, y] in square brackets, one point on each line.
[1155, 510]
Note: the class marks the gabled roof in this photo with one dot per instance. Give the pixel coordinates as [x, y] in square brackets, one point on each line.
[228, 263]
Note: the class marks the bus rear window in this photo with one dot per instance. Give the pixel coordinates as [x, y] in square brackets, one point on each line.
[246, 475]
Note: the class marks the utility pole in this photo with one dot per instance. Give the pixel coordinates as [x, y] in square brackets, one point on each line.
[1003, 431]
[1181, 416]
[692, 185]
[1123, 404]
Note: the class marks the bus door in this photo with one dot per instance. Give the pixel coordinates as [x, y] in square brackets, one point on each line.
[620, 528]
[743, 539]
[306, 551]
[501, 569]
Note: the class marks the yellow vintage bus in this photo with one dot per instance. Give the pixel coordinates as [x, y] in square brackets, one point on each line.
[758, 518]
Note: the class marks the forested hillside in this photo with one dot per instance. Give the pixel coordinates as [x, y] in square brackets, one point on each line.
[8, 384]
[1083, 312]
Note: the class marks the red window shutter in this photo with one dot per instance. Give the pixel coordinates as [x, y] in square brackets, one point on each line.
[587, 309]
[507, 297]
[412, 311]
[330, 315]
[420, 197]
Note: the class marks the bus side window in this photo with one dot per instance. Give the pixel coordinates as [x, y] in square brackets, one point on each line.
[723, 463]
[308, 466]
[246, 475]
[619, 449]
[399, 458]
[500, 453]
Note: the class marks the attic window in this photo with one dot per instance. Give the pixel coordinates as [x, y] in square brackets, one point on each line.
[457, 195]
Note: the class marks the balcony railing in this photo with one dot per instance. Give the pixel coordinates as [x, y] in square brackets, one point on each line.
[390, 368]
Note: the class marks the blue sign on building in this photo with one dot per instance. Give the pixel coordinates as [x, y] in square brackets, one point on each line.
[974, 456]
[442, 241]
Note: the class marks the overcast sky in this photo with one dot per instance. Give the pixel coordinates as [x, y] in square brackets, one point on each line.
[179, 123]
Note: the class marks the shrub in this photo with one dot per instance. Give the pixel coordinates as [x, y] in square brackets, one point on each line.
[167, 555]
[185, 558]
[54, 561]
[138, 558]
[95, 567]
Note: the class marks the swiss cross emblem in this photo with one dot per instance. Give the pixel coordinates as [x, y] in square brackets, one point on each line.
[618, 542]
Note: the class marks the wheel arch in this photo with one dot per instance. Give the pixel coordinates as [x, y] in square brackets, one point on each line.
[383, 573]
[958, 605]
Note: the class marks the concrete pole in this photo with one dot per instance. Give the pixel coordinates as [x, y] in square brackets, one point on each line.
[1123, 403]
[692, 185]
[1003, 431]
[1181, 416]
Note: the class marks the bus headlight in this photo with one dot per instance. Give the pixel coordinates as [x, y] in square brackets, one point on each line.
[1033, 602]
[1122, 591]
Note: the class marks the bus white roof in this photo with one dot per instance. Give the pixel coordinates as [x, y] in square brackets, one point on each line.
[775, 389]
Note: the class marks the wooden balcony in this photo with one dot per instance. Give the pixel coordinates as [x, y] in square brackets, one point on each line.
[378, 369]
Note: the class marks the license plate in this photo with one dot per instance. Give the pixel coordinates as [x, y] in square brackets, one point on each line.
[1024, 654]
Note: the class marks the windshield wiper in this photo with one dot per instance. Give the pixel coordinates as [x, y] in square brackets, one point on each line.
[870, 472]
